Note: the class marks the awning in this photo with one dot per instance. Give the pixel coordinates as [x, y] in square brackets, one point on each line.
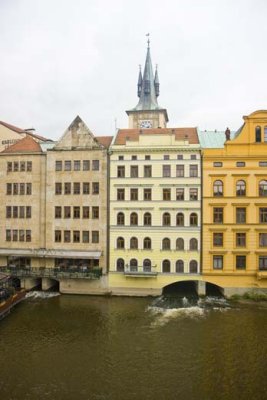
[51, 253]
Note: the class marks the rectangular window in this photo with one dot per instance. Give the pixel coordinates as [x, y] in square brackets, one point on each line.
[95, 212]
[262, 263]
[166, 157]
[85, 236]
[121, 171]
[76, 236]
[179, 194]
[134, 194]
[217, 164]
[67, 165]
[120, 194]
[76, 188]
[57, 236]
[193, 157]
[58, 212]
[86, 188]
[240, 262]
[180, 157]
[166, 194]
[9, 167]
[263, 163]
[67, 236]
[22, 188]
[180, 171]
[218, 239]
[58, 165]
[86, 165]
[15, 188]
[263, 215]
[240, 164]
[134, 157]
[67, 212]
[67, 188]
[263, 239]
[121, 158]
[240, 239]
[8, 212]
[95, 165]
[76, 212]
[28, 236]
[16, 166]
[22, 212]
[58, 188]
[15, 235]
[29, 166]
[217, 262]
[9, 188]
[147, 171]
[77, 165]
[193, 171]
[193, 194]
[166, 171]
[15, 212]
[147, 194]
[95, 236]
[86, 212]
[22, 166]
[147, 157]
[21, 235]
[134, 171]
[28, 212]
[218, 215]
[95, 187]
[8, 235]
[240, 215]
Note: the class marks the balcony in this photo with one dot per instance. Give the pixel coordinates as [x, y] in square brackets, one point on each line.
[140, 271]
[53, 273]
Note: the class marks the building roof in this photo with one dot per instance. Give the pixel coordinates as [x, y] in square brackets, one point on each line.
[213, 139]
[23, 131]
[25, 145]
[124, 135]
[104, 140]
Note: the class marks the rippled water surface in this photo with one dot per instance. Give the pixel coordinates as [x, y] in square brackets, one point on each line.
[79, 347]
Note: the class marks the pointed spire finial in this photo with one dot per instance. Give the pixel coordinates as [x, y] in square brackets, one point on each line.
[148, 41]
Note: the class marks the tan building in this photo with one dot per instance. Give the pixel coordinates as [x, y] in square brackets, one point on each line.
[54, 211]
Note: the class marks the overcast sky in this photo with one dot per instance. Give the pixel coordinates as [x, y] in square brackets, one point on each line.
[60, 58]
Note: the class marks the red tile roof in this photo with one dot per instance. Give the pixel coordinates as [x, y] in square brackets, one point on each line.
[180, 134]
[104, 140]
[25, 145]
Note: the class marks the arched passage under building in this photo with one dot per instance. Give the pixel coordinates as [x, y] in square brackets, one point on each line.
[192, 289]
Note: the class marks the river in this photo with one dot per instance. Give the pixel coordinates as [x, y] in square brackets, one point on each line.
[99, 348]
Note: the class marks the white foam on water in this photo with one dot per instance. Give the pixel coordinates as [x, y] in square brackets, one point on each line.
[164, 315]
[38, 294]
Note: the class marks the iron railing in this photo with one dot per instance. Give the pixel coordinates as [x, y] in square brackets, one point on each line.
[53, 273]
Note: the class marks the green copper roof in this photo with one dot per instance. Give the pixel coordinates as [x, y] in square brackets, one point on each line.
[213, 139]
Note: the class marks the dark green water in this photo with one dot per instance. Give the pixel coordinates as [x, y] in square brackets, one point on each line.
[73, 347]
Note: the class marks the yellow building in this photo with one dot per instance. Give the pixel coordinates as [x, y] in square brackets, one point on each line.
[155, 175]
[235, 206]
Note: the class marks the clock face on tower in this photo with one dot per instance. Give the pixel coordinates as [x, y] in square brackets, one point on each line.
[145, 124]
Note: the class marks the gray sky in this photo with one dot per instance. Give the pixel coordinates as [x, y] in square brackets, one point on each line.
[60, 58]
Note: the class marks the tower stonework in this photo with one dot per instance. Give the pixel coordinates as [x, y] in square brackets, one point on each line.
[147, 113]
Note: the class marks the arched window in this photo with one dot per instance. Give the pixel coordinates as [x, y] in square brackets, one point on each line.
[147, 219]
[180, 219]
[193, 267]
[258, 134]
[263, 188]
[241, 188]
[133, 265]
[166, 219]
[179, 267]
[133, 243]
[265, 134]
[180, 244]
[147, 265]
[120, 219]
[217, 188]
[133, 219]
[166, 244]
[166, 266]
[147, 243]
[120, 265]
[193, 244]
[120, 243]
[193, 219]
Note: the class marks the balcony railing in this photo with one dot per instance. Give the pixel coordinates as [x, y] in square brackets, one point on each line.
[140, 271]
[53, 273]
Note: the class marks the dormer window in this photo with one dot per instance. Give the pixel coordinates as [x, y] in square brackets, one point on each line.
[258, 134]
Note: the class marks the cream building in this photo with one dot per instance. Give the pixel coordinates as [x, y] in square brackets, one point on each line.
[155, 194]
